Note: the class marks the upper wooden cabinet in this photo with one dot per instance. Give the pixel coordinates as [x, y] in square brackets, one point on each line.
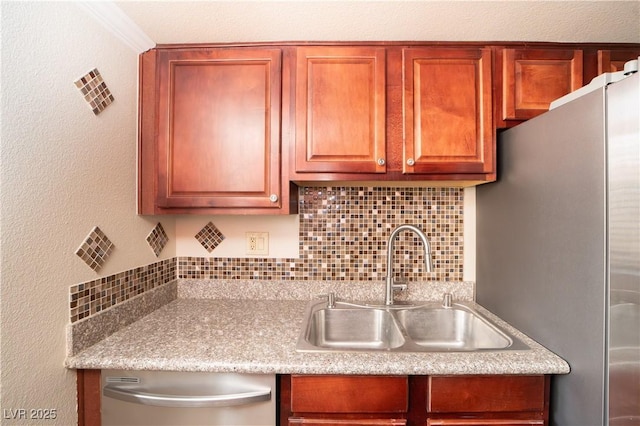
[448, 126]
[340, 110]
[393, 113]
[532, 78]
[229, 129]
[216, 145]
[614, 60]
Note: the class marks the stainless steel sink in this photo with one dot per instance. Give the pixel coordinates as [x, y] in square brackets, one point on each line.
[353, 329]
[451, 328]
[419, 327]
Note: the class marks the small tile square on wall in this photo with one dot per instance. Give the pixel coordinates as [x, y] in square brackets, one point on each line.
[209, 237]
[95, 91]
[95, 249]
[157, 239]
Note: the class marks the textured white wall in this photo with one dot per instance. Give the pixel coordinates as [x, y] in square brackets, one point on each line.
[506, 20]
[63, 171]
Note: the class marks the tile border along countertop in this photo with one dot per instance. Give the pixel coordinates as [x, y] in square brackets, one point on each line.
[259, 336]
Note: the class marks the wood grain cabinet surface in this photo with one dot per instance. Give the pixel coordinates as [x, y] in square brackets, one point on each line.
[488, 400]
[345, 400]
[216, 145]
[228, 129]
[448, 125]
[393, 113]
[532, 78]
[414, 400]
[613, 60]
[340, 109]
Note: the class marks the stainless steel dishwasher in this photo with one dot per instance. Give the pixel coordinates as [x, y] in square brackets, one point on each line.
[135, 398]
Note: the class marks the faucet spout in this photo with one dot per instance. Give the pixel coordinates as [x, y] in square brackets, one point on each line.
[428, 265]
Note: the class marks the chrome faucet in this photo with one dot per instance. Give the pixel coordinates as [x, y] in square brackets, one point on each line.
[391, 286]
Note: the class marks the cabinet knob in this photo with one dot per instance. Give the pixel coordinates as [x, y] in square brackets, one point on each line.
[273, 198]
[410, 162]
[381, 161]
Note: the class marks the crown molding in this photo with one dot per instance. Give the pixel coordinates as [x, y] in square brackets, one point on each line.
[118, 23]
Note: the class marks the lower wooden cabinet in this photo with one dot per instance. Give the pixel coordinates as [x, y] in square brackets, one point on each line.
[414, 400]
[348, 400]
[482, 422]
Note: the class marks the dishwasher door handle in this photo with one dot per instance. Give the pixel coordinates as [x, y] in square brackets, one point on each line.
[140, 396]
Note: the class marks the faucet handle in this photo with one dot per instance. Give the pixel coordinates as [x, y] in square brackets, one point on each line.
[447, 299]
[331, 299]
[399, 286]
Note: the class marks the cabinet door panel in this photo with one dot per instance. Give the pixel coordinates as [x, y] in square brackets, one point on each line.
[219, 128]
[477, 394]
[614, 60]
[346, 422]
[482, 422]
[340, 109]
[447, 111]
[349, 394]
[534, 78]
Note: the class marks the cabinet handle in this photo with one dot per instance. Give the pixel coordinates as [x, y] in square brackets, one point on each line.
[381, 161]
[411, 162]
[273, 198]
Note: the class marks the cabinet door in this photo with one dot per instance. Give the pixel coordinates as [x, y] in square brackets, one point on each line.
[614, 60]
[448, 126]
[218, 141]
[340, 110]
[484, 394]
[349, 394]
[531, 79]
[483, 422]
[345, 422]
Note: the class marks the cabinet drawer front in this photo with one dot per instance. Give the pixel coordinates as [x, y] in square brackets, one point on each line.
[486, 393]
[352, 394]
[482, 422]
[346, 422]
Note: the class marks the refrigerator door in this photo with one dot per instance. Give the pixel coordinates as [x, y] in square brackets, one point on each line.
[541, 247]
[623, 134]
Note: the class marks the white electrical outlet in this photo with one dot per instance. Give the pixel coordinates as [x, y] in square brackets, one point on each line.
[257, 243]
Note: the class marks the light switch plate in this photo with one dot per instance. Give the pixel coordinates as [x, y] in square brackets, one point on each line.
[257, 243]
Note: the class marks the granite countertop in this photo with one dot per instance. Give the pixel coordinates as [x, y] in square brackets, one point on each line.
[259, 336]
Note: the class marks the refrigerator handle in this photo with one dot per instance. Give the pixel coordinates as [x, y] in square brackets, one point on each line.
[140, 396]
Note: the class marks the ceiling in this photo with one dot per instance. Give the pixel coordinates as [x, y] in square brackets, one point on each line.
[359, 20]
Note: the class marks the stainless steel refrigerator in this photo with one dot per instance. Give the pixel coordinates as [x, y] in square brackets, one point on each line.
[558, 248]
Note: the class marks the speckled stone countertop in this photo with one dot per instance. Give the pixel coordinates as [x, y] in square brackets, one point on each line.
[259, 336]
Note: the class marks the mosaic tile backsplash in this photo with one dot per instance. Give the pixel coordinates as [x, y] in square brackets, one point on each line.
[91, 297]
[343, 237]
[344, 234]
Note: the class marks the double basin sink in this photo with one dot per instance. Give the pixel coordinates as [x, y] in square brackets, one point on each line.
[418, 327]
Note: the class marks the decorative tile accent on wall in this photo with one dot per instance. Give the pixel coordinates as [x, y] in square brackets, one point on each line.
[95, 249]
[157, 239]
[210, 237]
[95, 91]
[344, 234]
[91, 297]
